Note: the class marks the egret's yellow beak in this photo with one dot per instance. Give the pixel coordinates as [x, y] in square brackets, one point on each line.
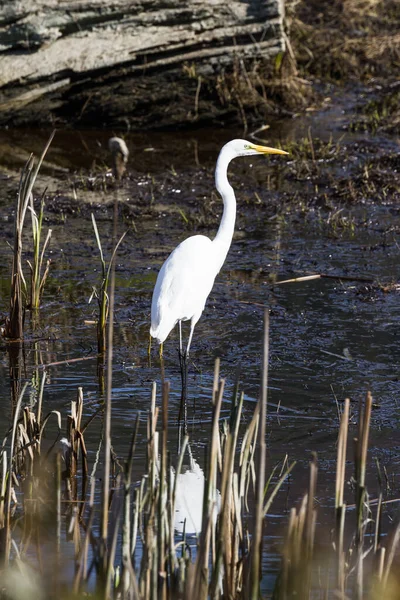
[266, 150]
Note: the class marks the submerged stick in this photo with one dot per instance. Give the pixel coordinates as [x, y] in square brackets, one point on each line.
[68, 361]
[325, 276]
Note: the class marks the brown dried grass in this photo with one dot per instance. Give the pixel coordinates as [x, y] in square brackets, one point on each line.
[346, 39]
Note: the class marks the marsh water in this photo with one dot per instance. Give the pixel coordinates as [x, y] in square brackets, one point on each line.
[330, 338]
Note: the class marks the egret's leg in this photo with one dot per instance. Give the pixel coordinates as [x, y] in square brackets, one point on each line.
[180, 336]
[161, 349]
[183, 406]
[149, 347]
[183, 367]
[190, 338]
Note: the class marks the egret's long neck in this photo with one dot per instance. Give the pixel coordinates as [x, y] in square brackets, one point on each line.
[226, 228]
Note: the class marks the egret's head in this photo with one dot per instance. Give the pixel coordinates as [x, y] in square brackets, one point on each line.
[244, 148]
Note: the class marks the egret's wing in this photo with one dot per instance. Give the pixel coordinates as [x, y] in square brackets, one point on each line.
[183, 284]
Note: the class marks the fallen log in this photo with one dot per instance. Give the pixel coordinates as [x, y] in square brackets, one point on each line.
[129, 64]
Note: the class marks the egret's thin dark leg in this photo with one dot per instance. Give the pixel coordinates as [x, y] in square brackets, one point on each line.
[184, 362]
[180, 336]
[182, 415]
[184, 371]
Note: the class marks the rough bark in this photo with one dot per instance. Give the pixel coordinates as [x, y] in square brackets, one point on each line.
[113, 62]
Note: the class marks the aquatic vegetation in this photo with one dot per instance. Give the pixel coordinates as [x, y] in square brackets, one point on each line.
[49, 494]
[15, 323]
[380, 113]
[38, 278]
[102, 294]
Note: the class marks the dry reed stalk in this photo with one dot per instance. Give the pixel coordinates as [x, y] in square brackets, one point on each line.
[109, 273]
[111, 580]
[10, 479]
[162, 511]
[297, 558]
[362, 508]
[224, 565]
[248, 448]
[14, 324]
[198, 582]
[73, 430]
[147, 502]
[177, 583]
[257, 534]
[40, 397]
[82, 559]
[135, 522]
[57, 486]
[310, 525]
[339, 505]
[76, 448]
[128, 579]
[277, 486]
[387, 564]
[3, 486]
[378, 524]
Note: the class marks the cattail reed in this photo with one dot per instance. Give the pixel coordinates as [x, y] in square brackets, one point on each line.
[256, 550]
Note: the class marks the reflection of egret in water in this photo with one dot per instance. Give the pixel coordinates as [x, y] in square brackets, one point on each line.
[189, 499]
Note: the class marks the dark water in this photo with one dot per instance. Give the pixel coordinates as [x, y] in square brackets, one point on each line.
[330, 338]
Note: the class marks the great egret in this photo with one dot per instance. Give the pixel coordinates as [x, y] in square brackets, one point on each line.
[187, 276]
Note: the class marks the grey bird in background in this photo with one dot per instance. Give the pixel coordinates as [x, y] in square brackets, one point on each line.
[120, 153]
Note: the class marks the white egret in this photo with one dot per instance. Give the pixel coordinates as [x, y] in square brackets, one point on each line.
[187, 276]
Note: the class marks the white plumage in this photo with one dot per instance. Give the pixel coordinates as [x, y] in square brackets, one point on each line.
[187, 276]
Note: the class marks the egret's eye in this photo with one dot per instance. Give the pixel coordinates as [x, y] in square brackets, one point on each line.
[246, 147]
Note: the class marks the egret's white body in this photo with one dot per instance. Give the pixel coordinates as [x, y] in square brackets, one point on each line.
[187, 276]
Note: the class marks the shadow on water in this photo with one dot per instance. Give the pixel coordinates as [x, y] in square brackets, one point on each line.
[330, 338]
